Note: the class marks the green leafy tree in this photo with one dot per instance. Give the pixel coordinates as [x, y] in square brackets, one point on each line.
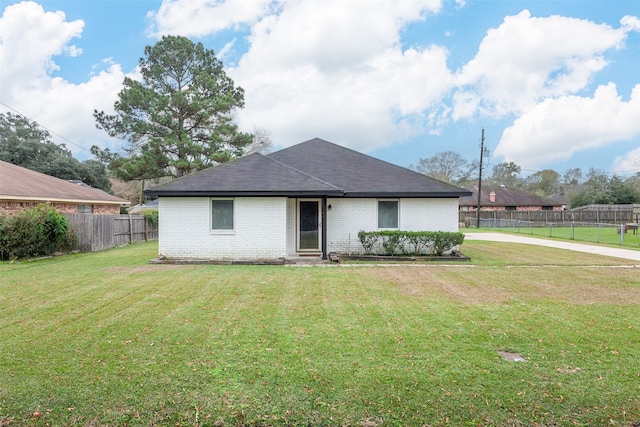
[544, 183]
[623, 192]
[180, 114]
[25, 143]
[144, 166]
[600, 189]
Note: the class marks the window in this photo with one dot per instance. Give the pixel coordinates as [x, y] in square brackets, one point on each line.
[387, 214]
[85, 208]
[222, 214]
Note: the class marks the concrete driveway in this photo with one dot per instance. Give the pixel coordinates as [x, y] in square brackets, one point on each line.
[580, 247]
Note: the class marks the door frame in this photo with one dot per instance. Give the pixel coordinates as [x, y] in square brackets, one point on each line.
[320, 225]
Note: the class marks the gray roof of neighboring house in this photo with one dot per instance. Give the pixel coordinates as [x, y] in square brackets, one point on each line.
[18, 183]
[507, 197]
[312, 168]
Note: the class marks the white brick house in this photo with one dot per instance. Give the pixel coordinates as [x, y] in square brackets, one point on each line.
[307, 200]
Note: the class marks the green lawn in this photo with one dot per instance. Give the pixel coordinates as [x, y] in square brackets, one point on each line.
[106, 339]
[604, 234]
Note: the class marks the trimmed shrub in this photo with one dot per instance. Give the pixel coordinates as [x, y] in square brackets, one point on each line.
[393, 242]
[396, 242]
[445, 241]
[37, 231]
[368, 240]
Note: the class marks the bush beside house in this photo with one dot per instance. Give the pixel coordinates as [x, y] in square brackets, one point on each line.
[34, 232]
[417, 243]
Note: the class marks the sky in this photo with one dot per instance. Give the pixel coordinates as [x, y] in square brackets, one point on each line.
[553, 84]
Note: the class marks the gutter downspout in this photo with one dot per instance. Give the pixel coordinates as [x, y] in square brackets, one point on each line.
[324, 227]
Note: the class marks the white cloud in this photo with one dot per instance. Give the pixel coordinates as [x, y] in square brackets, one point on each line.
[528, 59]
[333, 69]
[31, 39]
[630, 23]
[202, 17]
[360, 109]
[557, 128]
[27, 55]
[336, 70]
[627, 164]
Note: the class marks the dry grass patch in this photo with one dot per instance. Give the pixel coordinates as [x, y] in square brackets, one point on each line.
[490, 285]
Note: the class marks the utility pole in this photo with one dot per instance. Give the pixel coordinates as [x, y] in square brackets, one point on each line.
[480, 180]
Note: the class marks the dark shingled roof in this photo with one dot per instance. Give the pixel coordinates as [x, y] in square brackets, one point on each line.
[312, 168]
[506, 197]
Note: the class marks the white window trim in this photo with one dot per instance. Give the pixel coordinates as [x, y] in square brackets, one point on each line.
[378, 213]
[221, 231]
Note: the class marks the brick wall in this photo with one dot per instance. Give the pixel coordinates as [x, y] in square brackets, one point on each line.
[348, 216]
[259, 229]
[266, 228]
[65, 208]
[106, 209]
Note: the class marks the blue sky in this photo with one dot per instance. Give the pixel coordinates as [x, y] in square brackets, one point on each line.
[555, 84]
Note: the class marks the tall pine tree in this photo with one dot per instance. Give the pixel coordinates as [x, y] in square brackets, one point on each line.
[180, 113]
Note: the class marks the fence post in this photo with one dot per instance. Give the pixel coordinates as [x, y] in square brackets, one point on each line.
[130, 230]
[621, 234]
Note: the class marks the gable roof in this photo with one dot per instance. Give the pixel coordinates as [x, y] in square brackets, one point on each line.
[18, 183]
[312, 168]
[506, 197]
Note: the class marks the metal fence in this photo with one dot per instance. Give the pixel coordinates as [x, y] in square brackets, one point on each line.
[100, 232]
[625, 234]
[542, 218]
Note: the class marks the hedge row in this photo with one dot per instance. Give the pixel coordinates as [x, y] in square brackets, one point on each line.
[396, 242]
[37, 231]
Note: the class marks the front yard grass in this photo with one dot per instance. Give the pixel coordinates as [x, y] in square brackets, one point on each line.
[107, 339]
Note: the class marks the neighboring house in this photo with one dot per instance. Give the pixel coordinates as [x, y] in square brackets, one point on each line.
[500, 198]
[22, 188]
[147, 206]
[306, 200]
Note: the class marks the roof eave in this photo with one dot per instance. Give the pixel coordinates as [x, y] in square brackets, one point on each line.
[286, 193]
[63, 200]
[421, 195]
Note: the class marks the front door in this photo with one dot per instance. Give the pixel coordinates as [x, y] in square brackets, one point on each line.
[309, 225]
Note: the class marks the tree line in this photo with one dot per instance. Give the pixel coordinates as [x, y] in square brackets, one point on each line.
[25, 143]
[579, 188]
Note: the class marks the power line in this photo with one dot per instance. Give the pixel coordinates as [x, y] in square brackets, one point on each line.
[632, 171]
[46, 128]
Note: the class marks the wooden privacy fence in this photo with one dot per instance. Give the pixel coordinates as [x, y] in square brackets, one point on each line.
[100, 232]
[542, 218]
